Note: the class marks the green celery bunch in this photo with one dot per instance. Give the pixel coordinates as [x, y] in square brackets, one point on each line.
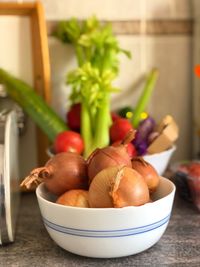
[97, 51]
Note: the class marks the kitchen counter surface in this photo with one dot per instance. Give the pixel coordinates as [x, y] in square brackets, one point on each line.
[179, 246]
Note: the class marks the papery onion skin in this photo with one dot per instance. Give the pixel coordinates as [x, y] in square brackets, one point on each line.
[110, 156]
[107, 157]
[147, 171]
[129, 189]
[62, 172]
[99, 190]
[67, 171]
[74, 198]
[118, 187]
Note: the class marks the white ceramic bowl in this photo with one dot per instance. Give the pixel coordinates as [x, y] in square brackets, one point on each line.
[160, 160]
[111, 232]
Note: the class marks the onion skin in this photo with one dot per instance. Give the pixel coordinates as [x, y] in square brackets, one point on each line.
[74, 198]
[107, 157]
[62, 172]
[110, 156]
[130, 148]
[129, 189]
[147, 171]
[99, 190]
[118, 187]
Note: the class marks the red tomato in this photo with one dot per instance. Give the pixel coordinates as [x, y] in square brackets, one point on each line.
[119, 129]
[68, 141]
[115, 116]
[131, 150]
[73, 117]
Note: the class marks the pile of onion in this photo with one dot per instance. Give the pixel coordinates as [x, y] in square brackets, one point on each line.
[107, 179]
[118, 187]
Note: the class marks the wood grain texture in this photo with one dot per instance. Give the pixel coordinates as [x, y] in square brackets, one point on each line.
[41, 68]
[19, 9]
[40, 54]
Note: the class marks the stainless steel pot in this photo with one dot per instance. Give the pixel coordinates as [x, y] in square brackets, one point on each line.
[9, 183]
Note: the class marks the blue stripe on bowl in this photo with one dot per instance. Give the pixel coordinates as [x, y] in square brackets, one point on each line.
[106, 233]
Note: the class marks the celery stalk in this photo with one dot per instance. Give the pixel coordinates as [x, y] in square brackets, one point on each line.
[103, 122]
[145, 97]
[86, 129]
[79, 55]
[97, 51]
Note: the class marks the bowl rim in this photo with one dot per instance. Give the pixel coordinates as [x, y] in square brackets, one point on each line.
[171, 149]
[172, 192]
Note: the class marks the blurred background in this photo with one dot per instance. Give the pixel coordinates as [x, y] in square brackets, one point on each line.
[159, 33]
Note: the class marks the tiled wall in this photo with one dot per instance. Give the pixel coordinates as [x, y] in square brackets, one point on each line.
[167, 45]
[117, 9]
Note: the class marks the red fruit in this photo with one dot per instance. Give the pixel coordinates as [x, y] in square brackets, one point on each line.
[115, 116]
[194, 169]
[119, 129]
[73, 117]
[129, 147]
[68, 141]
[131, 150]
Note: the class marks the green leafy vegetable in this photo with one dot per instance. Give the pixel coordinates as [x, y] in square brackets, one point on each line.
[97, 51]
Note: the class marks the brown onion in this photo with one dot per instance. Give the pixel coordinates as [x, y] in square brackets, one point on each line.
[99, 190]
[75, 198]
[62, 172]
[109, 156]
[147, 171]
[118, 187]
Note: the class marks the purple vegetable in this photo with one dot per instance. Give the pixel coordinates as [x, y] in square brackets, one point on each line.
[144, 129]
[142, 148]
